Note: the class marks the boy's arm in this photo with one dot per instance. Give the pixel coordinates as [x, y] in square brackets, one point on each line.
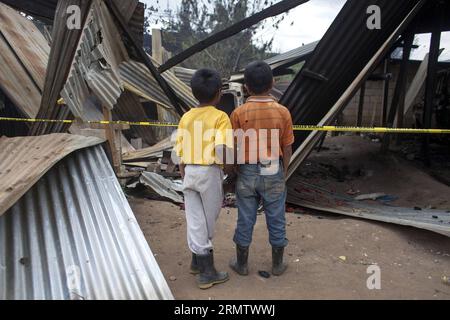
[179, 147]
[234, 118]
[225, 143]
[287, 141]
[224, 155]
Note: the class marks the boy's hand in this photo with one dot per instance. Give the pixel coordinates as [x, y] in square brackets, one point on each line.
[182, 171]
[229, 171]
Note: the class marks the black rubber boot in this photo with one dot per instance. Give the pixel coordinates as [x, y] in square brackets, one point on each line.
[194, 265]
[240, 263]
[278, 266]
[209, 276]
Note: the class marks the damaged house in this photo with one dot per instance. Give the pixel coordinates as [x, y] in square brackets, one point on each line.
[66, 228]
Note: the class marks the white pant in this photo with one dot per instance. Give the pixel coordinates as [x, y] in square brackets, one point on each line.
[203, 197]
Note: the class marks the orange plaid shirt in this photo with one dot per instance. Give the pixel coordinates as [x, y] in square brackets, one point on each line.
[262, 113]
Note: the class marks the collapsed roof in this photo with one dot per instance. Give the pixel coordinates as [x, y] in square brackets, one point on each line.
[72, 235]
[90, 68]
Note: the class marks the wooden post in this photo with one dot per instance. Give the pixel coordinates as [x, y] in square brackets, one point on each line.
[158, 53]
[362, 96]
[114, 142]
[157, 49]
[430, 91]
[400, 89]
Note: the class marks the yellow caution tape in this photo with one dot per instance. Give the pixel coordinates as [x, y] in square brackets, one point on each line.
[370, 129]
[296, 127]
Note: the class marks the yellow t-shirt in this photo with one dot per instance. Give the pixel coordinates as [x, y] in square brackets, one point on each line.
[199, 132]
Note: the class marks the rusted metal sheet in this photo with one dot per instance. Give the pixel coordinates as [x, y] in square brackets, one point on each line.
[23, 57]
[316, 198]
[64, 44]
[24, 160]
[73, 236]
[27, 41]
[16, 83]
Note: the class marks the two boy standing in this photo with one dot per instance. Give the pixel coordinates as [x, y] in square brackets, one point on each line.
[260, 132]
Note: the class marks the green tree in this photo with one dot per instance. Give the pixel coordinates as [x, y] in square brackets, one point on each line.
[196, 20]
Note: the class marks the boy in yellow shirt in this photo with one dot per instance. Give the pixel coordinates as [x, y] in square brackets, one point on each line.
[204, 133]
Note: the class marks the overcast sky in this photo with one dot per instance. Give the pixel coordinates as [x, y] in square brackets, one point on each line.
[311, 21]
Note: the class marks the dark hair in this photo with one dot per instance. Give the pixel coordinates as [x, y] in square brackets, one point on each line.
[258, 77]
[205, 84]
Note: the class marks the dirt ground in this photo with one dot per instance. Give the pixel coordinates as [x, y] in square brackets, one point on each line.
[412, 262]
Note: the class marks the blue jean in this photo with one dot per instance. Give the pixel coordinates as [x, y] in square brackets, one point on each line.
[251, 188]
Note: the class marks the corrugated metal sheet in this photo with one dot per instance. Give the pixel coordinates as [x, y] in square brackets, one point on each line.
[23, 59]
[343, 52]
[96, 71]
[155, 151]
[138, 79]
[74, 236]
[64, 44]
[129, 108]
[292, 57]
[166, 188]
[283, 61]
[96, 62]
[136, 22]
[45, 10]
[24, 160]
[313, 138]
[184, 74]
[328, 79]
[42, 9]
[29, 43]
[81, 130]
[316, 198]
[16, 83]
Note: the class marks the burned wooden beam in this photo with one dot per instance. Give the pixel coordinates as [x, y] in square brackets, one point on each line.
[398, 100]
[386, 91]
[430, 90]
[272, 11]
[362, 96]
